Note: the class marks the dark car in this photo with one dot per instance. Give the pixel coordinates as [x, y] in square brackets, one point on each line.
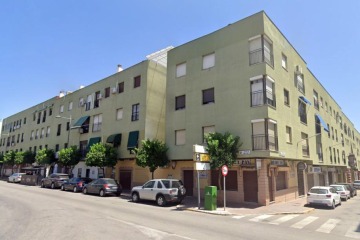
[351, 188]
[103, 187]
[54, 180]
[75, 184]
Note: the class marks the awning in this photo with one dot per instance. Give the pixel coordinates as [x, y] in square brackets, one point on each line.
[322, 122]
[115, 139]
[81, 121]
[92, 141]
[133, 140]
[302, 98]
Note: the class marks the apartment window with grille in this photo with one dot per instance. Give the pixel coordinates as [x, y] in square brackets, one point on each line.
[299, 82]
[261, 50]
[208, 96]
[206, 130]
[288, 134]
[107, 92]
[208, 61]
[302, 112]
[44, 116]
[180, 137]
[305, 144]
[88, 103]
[119, 113]
[121, 87]
[180, 102]
[135, 112]
[181, 69]
[137, 81]
[316, 101]
[48, 132]
[50, 111]
[97, 99]
[334, 150]
[284, 61]
[37, 134]
[97, 123]
[281, 180]
[264, 134]
[331, 159]
[58, 133]
[42, 133]
[286, 97]
[262, 91]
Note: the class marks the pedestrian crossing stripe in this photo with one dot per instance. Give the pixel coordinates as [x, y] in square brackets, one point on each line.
[304, 222]
[328, 226]
[260, 218]
[283, 219]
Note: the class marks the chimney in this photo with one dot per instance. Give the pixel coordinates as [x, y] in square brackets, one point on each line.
[119, 68]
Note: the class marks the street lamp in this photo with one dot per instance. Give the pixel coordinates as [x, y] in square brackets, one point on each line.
[70, 119]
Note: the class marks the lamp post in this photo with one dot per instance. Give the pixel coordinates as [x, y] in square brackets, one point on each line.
[70, 119]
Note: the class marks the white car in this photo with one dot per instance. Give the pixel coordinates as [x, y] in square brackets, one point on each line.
[342, 190]
[320, 195]
[16, 177]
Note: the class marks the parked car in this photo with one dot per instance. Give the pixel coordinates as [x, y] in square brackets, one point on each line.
[350, 186]
[356, 184]
[75, 184]
[343, 191]
[16, 177]
[160, 190]
[54, 180]
[320, 195]
[103, 187]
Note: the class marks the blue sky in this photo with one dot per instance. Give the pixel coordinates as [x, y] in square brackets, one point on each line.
[49, 46]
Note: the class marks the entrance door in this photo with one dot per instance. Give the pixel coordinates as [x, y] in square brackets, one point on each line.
[330, 177]
[250, 186]
[189, 182]
[125, 179]
[321, 179]
[300, 176]
[271, 185]
[87, 173]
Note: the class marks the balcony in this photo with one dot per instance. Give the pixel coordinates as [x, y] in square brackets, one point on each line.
[261, 55]
[265, 142]
[257, 98]
[96, 127]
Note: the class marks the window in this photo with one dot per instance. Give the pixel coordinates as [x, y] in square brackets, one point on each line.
[332, 133]
[42, 133]
[208, 96]
[22, 137]
[286, 98]
[208, 61]
[61, 108]
[207, 130]
[260, 50]
[331, 159]
[44, 116]
[58, 130]
[119, 113]
[330, 111]
[97, 99]
[305, 144]
[316, 101]
[48, 132]
[334, 155]
[299, 82]
[326, 107]
[135, 112]
[288, 134]
[88, 103]
[67, 126]
[180, 102]
[24, 120]
[137, 81]
[32, 135]
[81, 102]
[107, 92]
[321, 102]
[284, 61]
[121, 87]
[302, 111]
[50, 111]
[280, 180]
[70, 106]
[97, 123]
[38, 119]
[37, 134]
[262, 91]
[264, 134]
[181, 69]
[180, 136]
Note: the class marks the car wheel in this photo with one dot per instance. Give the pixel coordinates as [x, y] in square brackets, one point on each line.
[160, 200]
[85, 191]
[102, 193]
[62, 188]
[75, 189]
[42, 184]
[333, 205]
[52, 186]
[135, 197]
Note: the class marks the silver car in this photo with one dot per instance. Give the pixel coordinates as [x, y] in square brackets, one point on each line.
[16, 177]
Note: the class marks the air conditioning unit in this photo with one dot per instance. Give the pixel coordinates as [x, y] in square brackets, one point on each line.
[298, 69]
[114, 90]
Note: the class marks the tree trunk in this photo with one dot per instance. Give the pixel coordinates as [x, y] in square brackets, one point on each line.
[152, 175]
[219, 180]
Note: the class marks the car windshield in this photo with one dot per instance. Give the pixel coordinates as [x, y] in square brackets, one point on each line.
[64, 177]
[111, 181]
[319, 191]
[338, 188]
[176, 184]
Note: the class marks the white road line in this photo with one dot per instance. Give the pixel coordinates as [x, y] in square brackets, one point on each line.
[260, 218]
[238, 217]
[328, 226]
[304, 222]
[283, 219]
[353, 232]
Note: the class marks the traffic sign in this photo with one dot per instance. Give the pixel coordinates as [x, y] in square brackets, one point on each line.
[224, 170]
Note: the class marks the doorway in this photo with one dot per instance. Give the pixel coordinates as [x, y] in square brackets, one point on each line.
[189, 182]
[125, 179]
[300, 178]
[250, 186]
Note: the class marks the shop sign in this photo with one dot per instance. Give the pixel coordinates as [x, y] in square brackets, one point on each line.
[245, 162]
[244, 152]
[201, 157]
[301, 166]
[331, 170]
[277, 163]
[203, 175]
[316, 169]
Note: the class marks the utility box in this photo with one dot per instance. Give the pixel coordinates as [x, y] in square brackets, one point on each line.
[210, 198]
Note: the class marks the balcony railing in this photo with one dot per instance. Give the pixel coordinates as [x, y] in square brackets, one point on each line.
[265, 142]
[257, 98]
[260, 55]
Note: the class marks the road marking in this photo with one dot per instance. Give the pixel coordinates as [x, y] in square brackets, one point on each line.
[284, 219]
[328, 226]
[238, 217]
[304, 222]
[353, 232]
[260, 218]
[151, 233]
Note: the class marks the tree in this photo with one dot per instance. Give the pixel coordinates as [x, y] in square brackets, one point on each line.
[223, 149]
[101, 155]
[1, 163]
[45, 156]
[19, 158]
[29, 157]
[9, 159]
[152, 154]
[69, 157]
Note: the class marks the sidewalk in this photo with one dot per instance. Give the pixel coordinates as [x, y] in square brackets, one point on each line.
[292, 207]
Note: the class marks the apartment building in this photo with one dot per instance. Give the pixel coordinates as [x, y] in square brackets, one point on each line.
[121, 110]
[248, 79]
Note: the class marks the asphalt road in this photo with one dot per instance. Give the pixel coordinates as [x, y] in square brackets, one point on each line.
[28, 212]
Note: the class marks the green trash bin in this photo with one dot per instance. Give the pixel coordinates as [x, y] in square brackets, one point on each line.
[210, 198]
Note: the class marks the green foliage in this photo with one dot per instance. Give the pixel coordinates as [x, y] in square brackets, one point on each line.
[101, 155]
[9, 158]
[29, 157]
[152, 154]
[19, 158]
[69, 156]
[1, 158]
[45, 156]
